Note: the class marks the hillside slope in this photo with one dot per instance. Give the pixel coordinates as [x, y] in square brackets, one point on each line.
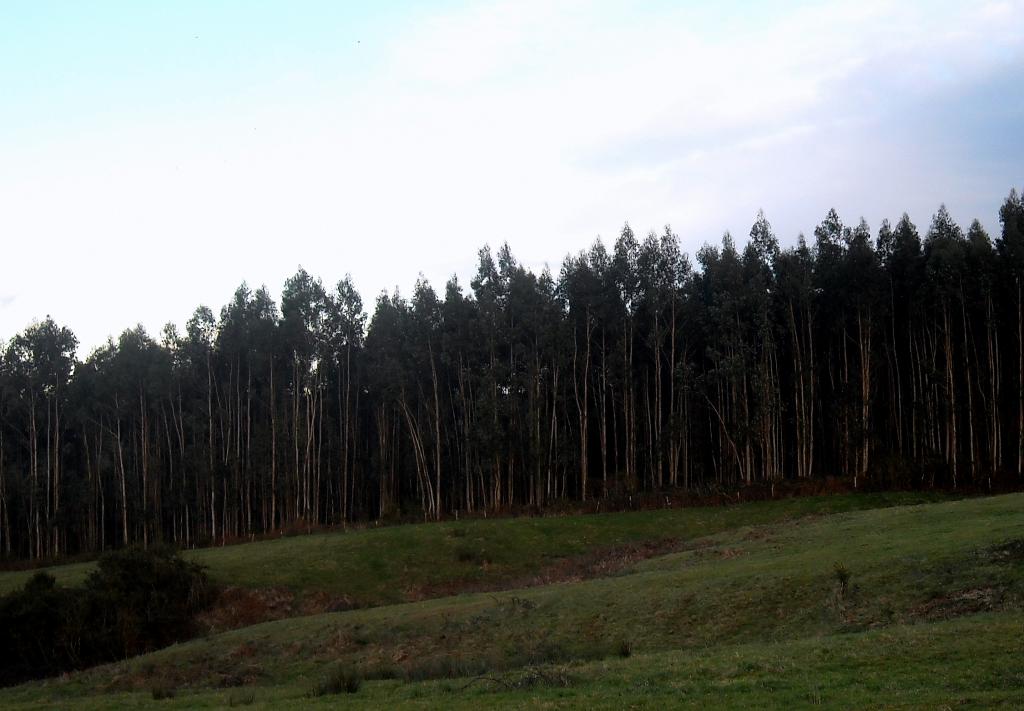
[375, 566]
[910, 605]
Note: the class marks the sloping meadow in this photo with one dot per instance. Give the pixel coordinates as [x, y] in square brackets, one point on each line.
[833, 578]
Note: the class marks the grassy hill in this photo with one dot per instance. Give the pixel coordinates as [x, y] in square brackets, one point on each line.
[400, 563]
[808, 602]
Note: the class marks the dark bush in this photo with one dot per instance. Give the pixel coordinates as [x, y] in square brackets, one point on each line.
[842, 575]
[161, 692]
[38, 630]
[133, 602]
[144, 600]
[340, 679]
[241, 698]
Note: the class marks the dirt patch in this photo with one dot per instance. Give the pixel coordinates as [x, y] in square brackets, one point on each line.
[721, 553]
[238, 668]
[962, 602]
[1008, 552]
[600, 563]
[238, 607]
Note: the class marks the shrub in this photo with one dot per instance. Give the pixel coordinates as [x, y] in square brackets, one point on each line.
[164, 691]
[533, 677]
[624, 648]
[842, 575]
[340, 679]
[143, 600]
[469, 554]
[241, 698]
[133, 602]
[39, 628]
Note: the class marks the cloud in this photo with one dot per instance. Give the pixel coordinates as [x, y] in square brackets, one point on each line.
[541, 123]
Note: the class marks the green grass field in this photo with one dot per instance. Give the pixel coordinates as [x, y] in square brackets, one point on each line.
[395, 564]
[745, 609]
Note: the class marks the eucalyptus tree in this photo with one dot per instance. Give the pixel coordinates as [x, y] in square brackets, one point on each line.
[139, 371]
[38, 366]
[385, 377]
[552, 335]
[458, 352]
[981, 335]
[759, 260]
[626, 281]
[661, 273]
[490, 293]
[862, 278]
[304, 340]
[899, 250]
[245, 385]
[832, 304]
[1011, 252]
[421, 391]
[724, 380]
[579, 285]
[944, 255]
[795, 275]
[7, 401]
[198, 363]
[346, 325]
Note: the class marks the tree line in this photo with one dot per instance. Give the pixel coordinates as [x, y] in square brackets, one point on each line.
[889, 358]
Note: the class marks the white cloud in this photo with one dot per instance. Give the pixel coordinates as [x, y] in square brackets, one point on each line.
[543, 123]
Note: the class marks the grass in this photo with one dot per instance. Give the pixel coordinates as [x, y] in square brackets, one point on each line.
[342, 679]
[752, 612]
[964, 663]
[400, 563]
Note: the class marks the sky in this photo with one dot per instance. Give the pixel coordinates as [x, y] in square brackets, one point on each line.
[153, 156]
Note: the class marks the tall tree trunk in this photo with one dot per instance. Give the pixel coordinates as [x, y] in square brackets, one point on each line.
[582, 399]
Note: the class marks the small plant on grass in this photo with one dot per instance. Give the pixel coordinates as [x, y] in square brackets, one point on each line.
[163, 691]
[241, 698]
[514, 603]
[383, 671]
[470, 554]
[842, 575]
[341, 679]
[534, 677]
[447, 667]
[624, 648]
[1008, 552]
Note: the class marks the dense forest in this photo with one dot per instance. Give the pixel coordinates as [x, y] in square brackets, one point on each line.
[894, 358]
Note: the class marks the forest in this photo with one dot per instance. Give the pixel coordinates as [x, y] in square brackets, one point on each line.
[888, 359]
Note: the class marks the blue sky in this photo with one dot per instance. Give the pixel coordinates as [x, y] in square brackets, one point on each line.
[155, 155]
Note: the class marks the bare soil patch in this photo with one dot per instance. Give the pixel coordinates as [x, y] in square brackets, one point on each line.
[1008, 552]
[599, 563]
[956, 604]
[238, 607]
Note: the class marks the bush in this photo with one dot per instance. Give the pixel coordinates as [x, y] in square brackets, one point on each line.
[135, 601]
[340, 679]
[39, 626]
[241, 698]
[449, 667]
[624, 648]
[164, 691]
[842, 575]
[144, 600]
[468, 554]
